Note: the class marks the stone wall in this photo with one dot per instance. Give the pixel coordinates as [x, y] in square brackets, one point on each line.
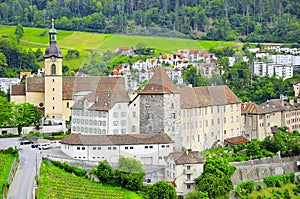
[261, 168]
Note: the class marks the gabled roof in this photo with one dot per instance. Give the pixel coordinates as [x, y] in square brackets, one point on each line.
[206, 96]
[193, 157]
[237, 140]
[160, 83]
[278, 105]
[122, 139]
[215, 95]
[105, 92]
[273, 105]
[275, 130]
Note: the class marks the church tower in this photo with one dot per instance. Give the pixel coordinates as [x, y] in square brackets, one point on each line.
[53, 77]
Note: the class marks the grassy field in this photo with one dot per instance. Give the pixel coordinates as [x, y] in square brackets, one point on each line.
[274, 192]
[6, 160]
[85, 42]
[56, 183]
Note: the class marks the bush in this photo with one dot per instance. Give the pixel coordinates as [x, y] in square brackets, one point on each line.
[245, 188]
[11, 150]
[278, 181]
[70, 169]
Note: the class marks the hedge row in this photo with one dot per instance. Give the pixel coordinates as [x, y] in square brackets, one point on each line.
[70, 169]
[245, 188]
[279, 181]
[10, 150]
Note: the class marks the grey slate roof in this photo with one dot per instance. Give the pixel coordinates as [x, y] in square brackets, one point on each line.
[122, 139]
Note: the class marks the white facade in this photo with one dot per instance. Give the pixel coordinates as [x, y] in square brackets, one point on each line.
[285, 59]
[118, 119]
[113, 121]
[269, 69]
[89, 122]
[150, 152]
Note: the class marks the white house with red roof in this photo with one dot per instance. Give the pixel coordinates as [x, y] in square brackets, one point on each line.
[125, 50]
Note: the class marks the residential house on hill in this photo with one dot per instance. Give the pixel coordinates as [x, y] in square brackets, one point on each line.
[236, 141]
[182, 168]
[125, 50]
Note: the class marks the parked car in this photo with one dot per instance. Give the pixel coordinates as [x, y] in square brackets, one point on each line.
[25, 142]
[34, 145]
[43, 146]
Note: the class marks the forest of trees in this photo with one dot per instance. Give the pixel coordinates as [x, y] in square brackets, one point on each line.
[246, 20]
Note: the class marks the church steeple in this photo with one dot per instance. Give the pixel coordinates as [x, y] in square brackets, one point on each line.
[53, 50]
[52, 33]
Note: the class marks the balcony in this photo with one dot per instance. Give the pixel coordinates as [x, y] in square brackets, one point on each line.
[189, 181]
[190, 171]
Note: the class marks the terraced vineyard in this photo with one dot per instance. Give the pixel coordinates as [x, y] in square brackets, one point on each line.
[56, 183]
[6, 160]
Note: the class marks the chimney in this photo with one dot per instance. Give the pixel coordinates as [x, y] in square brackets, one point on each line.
[292, 101]
[282, 102]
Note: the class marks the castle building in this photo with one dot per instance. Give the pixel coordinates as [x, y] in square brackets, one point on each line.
[195, 118]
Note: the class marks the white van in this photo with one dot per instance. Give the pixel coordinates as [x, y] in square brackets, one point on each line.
[44, 146]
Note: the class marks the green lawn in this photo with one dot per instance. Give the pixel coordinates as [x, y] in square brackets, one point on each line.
[85, 42]
[6, 161]
[56, 183]
[269, 192]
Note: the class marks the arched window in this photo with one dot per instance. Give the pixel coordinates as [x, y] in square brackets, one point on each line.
[53, 69]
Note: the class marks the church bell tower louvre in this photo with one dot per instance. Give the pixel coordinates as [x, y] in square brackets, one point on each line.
[53, 77]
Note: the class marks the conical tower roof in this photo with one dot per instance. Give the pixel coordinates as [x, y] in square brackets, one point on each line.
[160, 83]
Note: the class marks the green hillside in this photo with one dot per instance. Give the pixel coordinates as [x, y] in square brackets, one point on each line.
[85, 42]
[56, 183]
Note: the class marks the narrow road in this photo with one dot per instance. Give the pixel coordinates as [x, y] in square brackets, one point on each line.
[22, 186]
[23, 182]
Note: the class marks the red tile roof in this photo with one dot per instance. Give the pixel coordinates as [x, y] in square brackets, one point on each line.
[124, 47]
[122, 139]
[237, 140]
[117, 67]
[194, 51]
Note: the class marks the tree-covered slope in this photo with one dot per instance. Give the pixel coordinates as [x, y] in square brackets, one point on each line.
[251, 20]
